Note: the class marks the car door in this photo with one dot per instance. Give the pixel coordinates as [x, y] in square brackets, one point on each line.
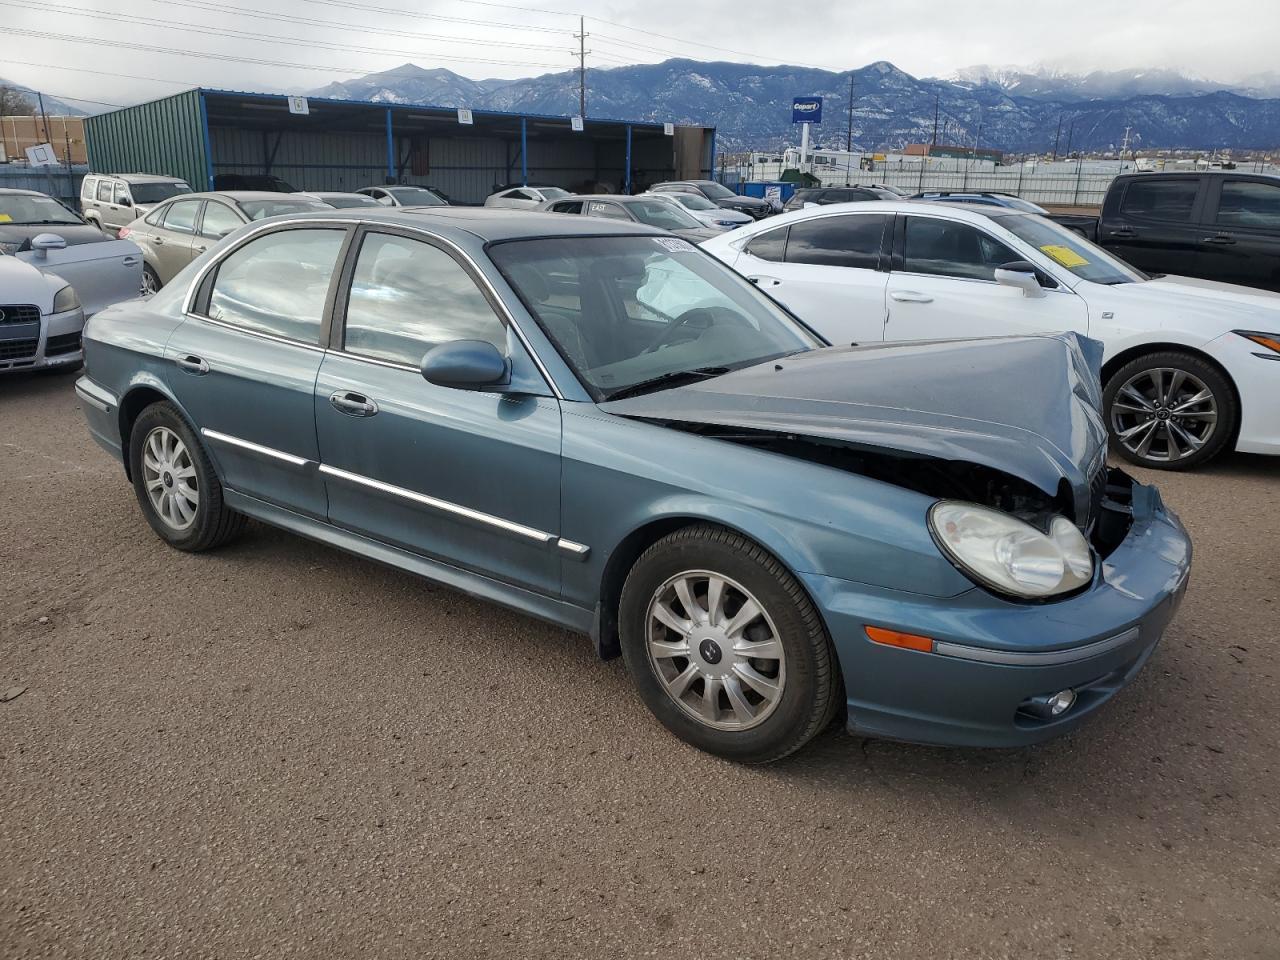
[1157, 227]
[122, 204]
[942, 285]
[172, 239]
[829, 270]
[218, 220]
[470, 478]
[246, 357]
[1240, 242]
[106, 205]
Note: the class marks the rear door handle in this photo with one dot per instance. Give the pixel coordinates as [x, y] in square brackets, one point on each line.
[193, 364]
[158, 241]
[353, 404]
[910, 296]
[1220, 238]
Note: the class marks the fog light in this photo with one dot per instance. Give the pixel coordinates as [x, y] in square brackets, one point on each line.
[1061, 702]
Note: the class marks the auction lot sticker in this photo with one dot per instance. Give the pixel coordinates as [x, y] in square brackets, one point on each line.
[674, 244]
[1064, 255]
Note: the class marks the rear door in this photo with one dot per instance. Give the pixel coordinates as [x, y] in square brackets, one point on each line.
[468, 477]
[829, 270]
[1240, 242]
[246, 358]
[218, 220]
[942, 286]
[171, 240]
[1157, 226]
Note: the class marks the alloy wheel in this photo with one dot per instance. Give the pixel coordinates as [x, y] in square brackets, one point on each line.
[715, 650]
[1164, 414]
[169, 477]
[149, 285]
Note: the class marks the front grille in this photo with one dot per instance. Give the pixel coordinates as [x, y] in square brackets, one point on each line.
[18, 349]
[19, 313]
[63, 343]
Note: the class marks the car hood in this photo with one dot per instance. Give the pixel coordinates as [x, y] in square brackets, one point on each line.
[1027, 406]
[73, 233]
[755, 203]
[1210, 307]
[22, 283]
[697, 234]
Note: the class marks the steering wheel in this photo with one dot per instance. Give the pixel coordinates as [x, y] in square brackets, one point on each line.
[672, 335]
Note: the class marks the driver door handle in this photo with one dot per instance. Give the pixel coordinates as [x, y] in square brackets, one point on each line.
[193, 364]
[910, 296]
[353, 404]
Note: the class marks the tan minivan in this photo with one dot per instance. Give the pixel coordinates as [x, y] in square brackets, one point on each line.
[111, 201]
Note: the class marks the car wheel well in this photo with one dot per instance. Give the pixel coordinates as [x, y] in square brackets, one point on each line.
[1110, 368]
[131, 407]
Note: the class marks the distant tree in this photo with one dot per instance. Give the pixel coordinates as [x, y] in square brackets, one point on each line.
[16, 103]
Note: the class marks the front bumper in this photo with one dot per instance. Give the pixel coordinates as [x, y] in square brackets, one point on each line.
[991, 655]
[1255, 371]
[53, 341]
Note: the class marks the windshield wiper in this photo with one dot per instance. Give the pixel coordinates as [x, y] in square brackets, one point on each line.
[663, 381]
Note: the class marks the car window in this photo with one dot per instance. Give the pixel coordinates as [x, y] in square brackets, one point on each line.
[602, 208]
[847, 241]
[154, 192]
[122, 194]
[1160, 199]
[519, 195]
[407, 296]
[1068, 249]
[1249, 204]
[567, 206]
[181, 216]
[104, 191]
[156, 216]
[278, 283]
[219, 220]
[770, 245]
[33, 208]
[946, 248]
[281, 205]
[662, 214]
[88, 187]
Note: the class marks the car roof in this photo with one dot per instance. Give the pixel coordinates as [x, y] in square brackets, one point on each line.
[140, 177]
[488, 223]
[236, 195]
[1186, 174]
[969, 212]
[15, 192]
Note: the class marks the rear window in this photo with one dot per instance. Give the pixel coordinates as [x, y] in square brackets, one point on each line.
[1160, 199]
[847, 241]
[1249, 204]
[770, 245]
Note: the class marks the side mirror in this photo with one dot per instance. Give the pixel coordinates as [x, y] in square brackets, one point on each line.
[44, 242]
[126, 201]
[1020, 274]
[465, 364]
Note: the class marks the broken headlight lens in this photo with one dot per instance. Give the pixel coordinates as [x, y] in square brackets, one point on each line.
[1009, 556]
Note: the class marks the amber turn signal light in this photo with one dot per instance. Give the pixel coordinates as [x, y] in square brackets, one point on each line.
[1269, 340]
[894, 638]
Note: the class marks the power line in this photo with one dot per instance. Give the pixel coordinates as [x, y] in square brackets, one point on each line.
[365, 8]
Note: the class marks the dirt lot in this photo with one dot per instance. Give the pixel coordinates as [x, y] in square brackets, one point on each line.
[278, 750]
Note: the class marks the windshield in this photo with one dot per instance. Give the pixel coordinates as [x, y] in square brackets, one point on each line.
[659, 213]
[261, 209]
[554, 193]
[1067, 249]
[33, 208]
[155, 192]
[416, 197]
[342, 200]
[624, 311]
[715, 191]
[692, 201]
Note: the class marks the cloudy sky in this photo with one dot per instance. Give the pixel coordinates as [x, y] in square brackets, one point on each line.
[140, 49]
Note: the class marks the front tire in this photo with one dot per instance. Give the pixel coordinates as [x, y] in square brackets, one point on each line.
[150, 281]
[1170, 411]
[725, 647]
[175, 484]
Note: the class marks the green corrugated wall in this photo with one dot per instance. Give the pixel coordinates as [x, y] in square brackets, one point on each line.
[164, 137]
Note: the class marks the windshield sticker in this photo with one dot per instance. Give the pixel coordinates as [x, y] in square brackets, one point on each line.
[674, 244]
[5, 218]
[1064, 255]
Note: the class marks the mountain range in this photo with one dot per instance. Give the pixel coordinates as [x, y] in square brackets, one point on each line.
[1012, 109]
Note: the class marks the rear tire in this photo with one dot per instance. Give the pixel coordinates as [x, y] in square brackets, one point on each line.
[175, 484]
[1170, 411]
[747, 688]
[150, 281]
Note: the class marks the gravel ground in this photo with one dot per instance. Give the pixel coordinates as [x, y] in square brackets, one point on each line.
[278, 750]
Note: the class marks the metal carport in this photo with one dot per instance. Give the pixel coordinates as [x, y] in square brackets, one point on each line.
[344, 145]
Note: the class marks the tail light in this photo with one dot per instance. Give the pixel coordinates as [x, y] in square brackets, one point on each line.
[122, 233]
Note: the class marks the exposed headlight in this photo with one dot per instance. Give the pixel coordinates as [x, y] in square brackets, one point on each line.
[65, 299]
[1269, 340]
[1009, 556]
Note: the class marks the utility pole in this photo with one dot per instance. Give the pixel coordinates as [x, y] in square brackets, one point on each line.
[1070, 133]
[1057, 139]
[937, 99]
[582, 51]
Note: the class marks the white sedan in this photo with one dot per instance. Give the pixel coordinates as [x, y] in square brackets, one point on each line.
[1191, 367]
[524, 197]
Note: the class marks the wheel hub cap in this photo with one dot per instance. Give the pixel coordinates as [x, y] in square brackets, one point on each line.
[169, 477]
[715, 650]
[1164, 414]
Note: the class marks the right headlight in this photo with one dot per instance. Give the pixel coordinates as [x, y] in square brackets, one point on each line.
[65, 299]
[1009, 556]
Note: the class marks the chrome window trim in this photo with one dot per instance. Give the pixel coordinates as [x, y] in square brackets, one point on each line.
[276, 338]
[270, 452]
[444, 506]
[1036, 659]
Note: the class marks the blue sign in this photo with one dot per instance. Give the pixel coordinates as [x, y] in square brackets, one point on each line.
[806, 110]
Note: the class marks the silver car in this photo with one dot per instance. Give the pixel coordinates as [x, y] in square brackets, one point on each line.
[405, 196]
[112, 201]
[525, 196]
[650, 211]
[710, 215]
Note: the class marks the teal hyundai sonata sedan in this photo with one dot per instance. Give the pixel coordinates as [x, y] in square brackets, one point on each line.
[598, 424]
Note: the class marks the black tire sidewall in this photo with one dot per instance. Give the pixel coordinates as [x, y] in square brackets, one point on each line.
[208, 517]
[155, 277]
[1209, 375]
[806, 701]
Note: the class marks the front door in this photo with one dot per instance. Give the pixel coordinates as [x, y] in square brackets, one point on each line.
[245, 363]
[1158, 227]
[467, 477]
[943, 287]
[828, 271]
[171, 240]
